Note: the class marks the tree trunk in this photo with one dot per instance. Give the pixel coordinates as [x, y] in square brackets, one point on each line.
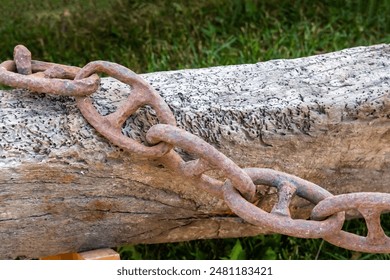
[64, 188]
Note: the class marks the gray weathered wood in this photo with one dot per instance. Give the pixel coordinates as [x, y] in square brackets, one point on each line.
[64, 188]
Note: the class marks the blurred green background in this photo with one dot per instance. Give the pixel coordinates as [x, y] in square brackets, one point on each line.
[159, 35]
[149, 36]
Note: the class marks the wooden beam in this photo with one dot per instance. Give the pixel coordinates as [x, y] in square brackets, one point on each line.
[98, 254]
[64, 188]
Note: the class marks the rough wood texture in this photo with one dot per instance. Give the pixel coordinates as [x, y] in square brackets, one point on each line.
[63, 188]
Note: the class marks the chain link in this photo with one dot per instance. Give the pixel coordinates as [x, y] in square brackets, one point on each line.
[142, 94]
[279, 220]
[370, 206]
[46, 77]
[239, 188]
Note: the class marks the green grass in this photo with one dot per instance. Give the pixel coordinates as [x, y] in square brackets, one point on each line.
[149, 36]
[160, 35]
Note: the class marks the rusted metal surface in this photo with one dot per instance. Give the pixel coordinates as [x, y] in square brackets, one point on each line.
[371, 206]
[239, 188]
[279, 220]
[210, 158]
[60, 75]
[110, 126]
[22, 58]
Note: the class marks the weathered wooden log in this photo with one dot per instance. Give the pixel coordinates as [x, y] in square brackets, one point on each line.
[64, 188]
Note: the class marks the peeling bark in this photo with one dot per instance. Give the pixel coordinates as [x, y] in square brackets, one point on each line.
[64, 188]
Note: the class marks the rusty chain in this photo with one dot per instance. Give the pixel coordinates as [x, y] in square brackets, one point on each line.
[239, 188]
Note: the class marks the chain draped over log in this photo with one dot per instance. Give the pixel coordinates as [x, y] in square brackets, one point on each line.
[239, 187]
